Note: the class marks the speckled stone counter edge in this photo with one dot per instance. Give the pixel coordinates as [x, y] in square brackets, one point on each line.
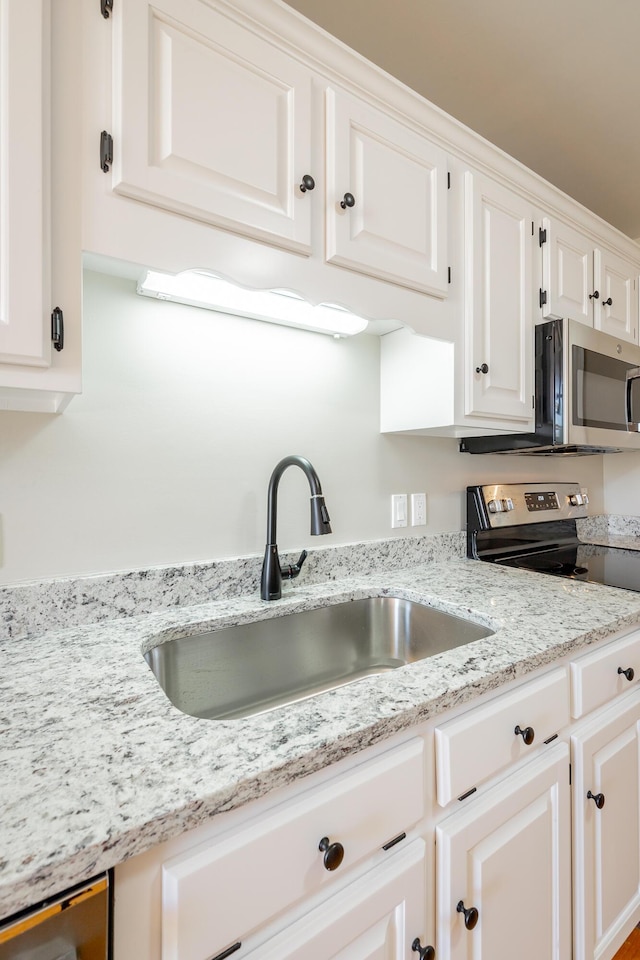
[31, 608]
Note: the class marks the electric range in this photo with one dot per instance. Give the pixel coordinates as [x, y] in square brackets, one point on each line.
[533, 526]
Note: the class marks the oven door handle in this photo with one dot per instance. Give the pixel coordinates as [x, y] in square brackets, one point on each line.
[632, 374]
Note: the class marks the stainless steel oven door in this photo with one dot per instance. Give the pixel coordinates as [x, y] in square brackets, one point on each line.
[601, 397]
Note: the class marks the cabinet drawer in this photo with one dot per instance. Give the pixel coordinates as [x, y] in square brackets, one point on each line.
[482, 741]
[215, 894]
[595, 678]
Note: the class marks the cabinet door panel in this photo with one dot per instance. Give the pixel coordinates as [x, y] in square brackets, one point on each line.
[616, 283]
[376, 918]
[508, 855]
[480, 742]
[273, 863]
[396, 229]
[211, 121]
[607, 840]
[498, 300]
[25, 305]
[567, 273]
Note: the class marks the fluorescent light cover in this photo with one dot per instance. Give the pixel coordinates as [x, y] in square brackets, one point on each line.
[277, 306]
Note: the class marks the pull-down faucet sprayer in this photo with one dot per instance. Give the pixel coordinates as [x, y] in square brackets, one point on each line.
[272, 572]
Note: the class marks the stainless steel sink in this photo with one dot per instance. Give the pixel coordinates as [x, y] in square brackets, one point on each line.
[253, 667]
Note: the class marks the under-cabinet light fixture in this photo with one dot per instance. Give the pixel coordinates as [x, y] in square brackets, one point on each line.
[206, 290]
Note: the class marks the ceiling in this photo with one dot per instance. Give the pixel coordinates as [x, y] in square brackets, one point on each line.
[555, 83]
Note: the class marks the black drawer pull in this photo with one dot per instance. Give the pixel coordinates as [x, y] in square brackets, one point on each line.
[308, 183]
[628, 673]
[333, 853]
[471, 915]
[426, 953]
[598, 799]
[528, 734]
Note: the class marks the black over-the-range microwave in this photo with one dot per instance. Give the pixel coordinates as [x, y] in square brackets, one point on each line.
[587, 400]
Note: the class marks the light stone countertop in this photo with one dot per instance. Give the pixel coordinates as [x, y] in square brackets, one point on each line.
[96, 765]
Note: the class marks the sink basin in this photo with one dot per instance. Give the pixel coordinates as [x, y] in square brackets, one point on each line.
[253, 667]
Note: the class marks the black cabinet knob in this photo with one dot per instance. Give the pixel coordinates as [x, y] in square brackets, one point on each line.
[598, 799]
[528, 734]
[426, 953]
[607, 303]
[308, 183]
[348, 201]
[628, 673]
[471, 915]
[333, 853]
[484, 368]
[595, 295]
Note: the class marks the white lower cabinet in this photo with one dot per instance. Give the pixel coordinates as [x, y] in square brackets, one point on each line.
[504, 868]
[382, 858]
[379, 917]
[606, 837]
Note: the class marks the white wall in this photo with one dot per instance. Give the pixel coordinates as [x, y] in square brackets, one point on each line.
[622, 484]
[166, 456]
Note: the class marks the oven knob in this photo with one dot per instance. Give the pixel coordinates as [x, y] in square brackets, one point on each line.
[507, 504]
[495, 506]
[576, 500]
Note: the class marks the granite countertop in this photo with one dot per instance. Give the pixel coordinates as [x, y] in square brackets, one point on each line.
[96, 764]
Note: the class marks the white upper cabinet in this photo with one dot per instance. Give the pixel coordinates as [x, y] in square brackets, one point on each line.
[386, 199]
[587, 282]
[616, 311]
[498, 300]
[24, 182]
[40, 266]
[567, 273]
[210, 120]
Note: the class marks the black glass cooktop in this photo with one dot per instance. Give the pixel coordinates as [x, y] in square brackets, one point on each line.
[583, 561]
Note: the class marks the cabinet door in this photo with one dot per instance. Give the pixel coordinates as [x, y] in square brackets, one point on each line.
[376, 918]
[211, 121]
[498, 301]
[25, 304]
[606, 864]
[396, 228]
[616, 283]
[567, 273]
[507, 854]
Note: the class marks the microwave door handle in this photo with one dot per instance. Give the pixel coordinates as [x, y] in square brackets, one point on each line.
[632, 374]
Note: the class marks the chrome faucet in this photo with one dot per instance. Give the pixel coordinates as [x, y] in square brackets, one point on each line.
[272, 573]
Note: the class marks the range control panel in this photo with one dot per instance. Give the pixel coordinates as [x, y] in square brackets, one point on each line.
[547, 500]
[510, 504]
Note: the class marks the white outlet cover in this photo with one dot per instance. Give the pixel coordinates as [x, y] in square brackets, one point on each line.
[418, 509]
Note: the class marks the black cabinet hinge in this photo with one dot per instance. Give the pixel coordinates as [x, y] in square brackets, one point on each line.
[392, 843]
[227, 953]
[543, 297]
[542, 236]
[106, 151]
[473, 789]
[448, 180]
[57, 329]
[106, 6]
[448, 274]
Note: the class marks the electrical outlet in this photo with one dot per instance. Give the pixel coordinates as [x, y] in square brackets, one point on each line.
[418, 509]
[398, 509]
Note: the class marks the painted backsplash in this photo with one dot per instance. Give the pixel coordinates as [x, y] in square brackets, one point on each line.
[165, 458]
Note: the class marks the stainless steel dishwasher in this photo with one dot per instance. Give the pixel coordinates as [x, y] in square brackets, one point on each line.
[71, 926]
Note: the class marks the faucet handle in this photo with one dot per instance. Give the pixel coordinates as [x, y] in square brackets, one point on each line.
[291, 572]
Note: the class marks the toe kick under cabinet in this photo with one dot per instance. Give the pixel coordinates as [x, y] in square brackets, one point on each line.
[509, 826]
